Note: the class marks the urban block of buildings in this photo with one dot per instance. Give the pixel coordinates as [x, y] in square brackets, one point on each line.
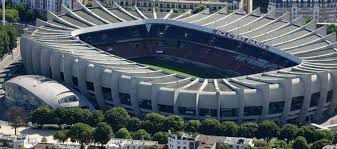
[188, 141]
[320, 10]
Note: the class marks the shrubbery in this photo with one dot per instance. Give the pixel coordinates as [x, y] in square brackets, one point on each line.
[117, 122]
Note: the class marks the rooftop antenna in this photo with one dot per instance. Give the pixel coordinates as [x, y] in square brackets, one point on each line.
[3, 12]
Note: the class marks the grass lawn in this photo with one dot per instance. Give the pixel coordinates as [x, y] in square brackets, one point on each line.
[185, 69]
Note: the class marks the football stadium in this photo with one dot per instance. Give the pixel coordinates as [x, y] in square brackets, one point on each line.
[230, 66]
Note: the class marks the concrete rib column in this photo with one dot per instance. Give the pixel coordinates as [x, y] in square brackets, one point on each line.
[333, 102]
[324, 84]
[82, 76]
[98, 87]
[55, 65]
[45, 61]
[175, 99]
[287, 88]
[28, 53]
[36, 54]
[23, 46]
[265, 90]
[155, 89]
[68, 62]
[115, 76]
[218, 95]
[307, 96]
[197, 105]
[133, 95]
[241, 94]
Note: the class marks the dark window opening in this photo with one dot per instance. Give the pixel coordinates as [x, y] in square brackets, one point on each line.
[276, 107]
[207, 112]
[186, 110]
[145, 104]
[296, 103]
[165, 108]
[62, 76]
[329, 96]
[253, 110]
[90, 86]
[107, 93]
[315, 99]
[75, 81]
[224, 112]
[125, 99]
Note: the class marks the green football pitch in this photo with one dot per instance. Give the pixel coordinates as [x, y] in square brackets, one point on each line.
[185, 69]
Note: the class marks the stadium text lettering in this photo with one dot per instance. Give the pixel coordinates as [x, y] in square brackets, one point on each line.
[240, 38]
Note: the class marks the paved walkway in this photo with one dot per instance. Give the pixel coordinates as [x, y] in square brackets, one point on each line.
[9, 65]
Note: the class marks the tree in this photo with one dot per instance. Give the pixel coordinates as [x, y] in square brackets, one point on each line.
[123, 133]
[153, 122]
[198, 8]
[324, 134]
[41, 116]
[210, 126]
[320, 144]
[192, 126]
[308, 132]
[77, 115]
[288, 132]
[103, 133]
[141, 134]
[161, 137]
[248, 129]
[16, 116]
[229, 128]
[61, 136]
[11, 15]
[280, 144]
[97, 117]
[262, 144]
[174, 123]
[81, 132]
[59, 115]
[134, 124]
[44, 140]
[117, 117]
[300, 143]
[267, 130]
[331, 28]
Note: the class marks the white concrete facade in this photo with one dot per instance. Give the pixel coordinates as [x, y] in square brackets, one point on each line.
[296, 93]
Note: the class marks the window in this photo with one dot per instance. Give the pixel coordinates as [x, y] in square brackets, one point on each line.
[186, 110]
[296, 103]
[165, 108]
[207, 112]
[125, 99]
[107, 93]
[75, 81]
[253, 110]
[276, 107]
[62, 76]
[315, 99]
[145, 104]
[90, 86]
[329, 96]
[226, 112]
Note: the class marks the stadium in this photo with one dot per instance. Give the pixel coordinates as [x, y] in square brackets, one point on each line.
[230, 66]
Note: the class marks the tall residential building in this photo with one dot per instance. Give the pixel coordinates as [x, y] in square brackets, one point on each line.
[247, 5]
[321, 10]
[46, 5]
[167, 5]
